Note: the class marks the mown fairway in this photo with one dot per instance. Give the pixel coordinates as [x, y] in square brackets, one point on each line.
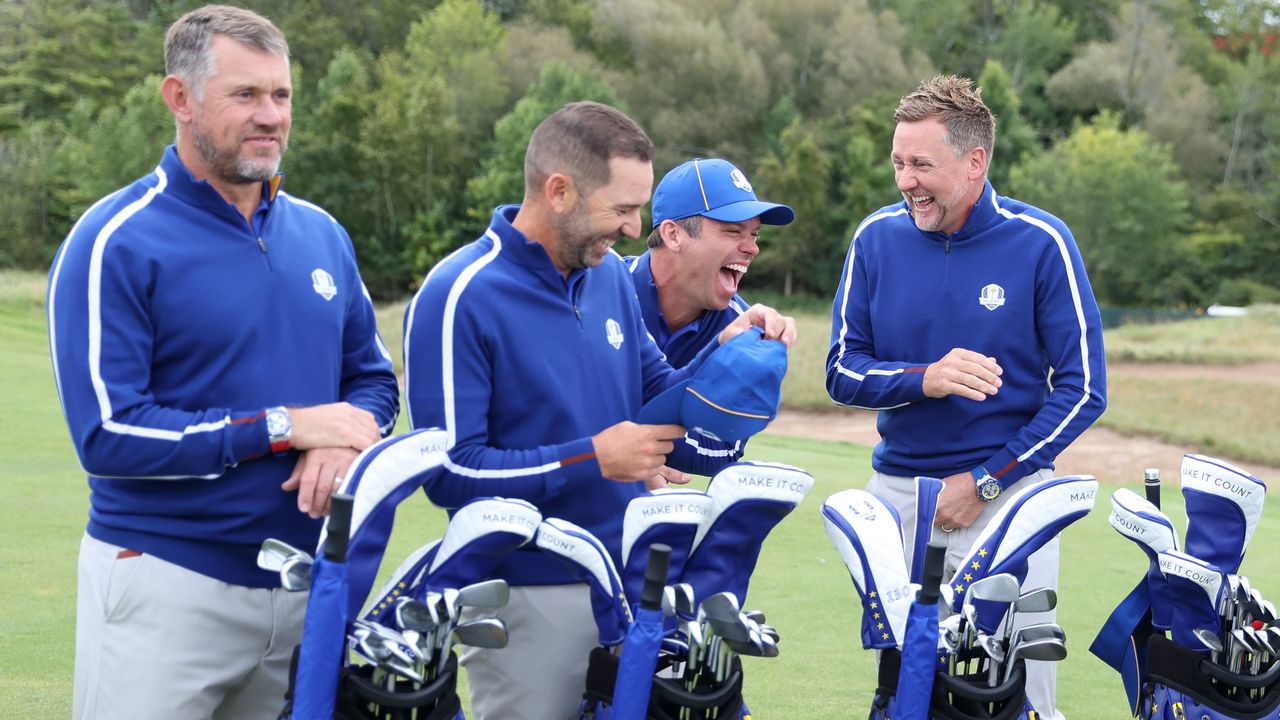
[800, 582]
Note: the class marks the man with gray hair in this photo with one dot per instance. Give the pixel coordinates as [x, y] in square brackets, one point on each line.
[219, 367]
[955, 307]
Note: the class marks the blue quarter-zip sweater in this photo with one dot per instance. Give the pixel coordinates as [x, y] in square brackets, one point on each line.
[1010, 285]
[522, 366]
[172, 325]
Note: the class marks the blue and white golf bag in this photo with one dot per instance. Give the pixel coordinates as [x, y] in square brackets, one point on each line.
[668, 699]
[1181, 684]
[956, 697]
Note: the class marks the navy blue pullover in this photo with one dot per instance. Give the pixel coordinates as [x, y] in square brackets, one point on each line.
[172, 325]
[522, 367]
[1010, 285]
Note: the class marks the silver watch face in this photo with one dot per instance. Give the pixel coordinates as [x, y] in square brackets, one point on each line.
[278, 423]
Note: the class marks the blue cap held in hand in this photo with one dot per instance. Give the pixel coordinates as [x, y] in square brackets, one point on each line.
[734, 395]
[715, 189]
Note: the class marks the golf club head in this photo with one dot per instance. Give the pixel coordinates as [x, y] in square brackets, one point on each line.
[994, 593]
[273, 553]
[868, 536]
[1197, 594]
[672, 516]
[405, 580]
[1038, 631]
[490, 633]
[590, 562]
[480, 535]
[1046, 649]
[1037, 601]
[749, 499]
[295, 574]
[1224, 504]
[485, 595]
[414, 615]
[1209, 639]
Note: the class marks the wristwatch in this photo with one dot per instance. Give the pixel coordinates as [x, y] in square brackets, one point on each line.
[987, 487]
[279, 429]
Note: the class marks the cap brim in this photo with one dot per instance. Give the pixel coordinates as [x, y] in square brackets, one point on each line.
[769, 213]
[665, 408]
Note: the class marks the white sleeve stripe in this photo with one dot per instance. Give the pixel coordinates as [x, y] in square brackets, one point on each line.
[446, 341]
[848, 278]
[1080, 320]
[500, 473]
[408, 330]
[95, 326]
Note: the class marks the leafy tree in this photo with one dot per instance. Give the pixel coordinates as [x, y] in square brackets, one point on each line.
[1118, 192]
[29, 222]
[1014, 138]
[801, 173]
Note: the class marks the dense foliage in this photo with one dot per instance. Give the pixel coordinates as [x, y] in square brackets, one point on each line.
[1150, 126]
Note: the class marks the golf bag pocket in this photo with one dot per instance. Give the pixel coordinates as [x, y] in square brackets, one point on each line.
[1181, 683]
[956, 697]
[362, 697]
[668, 699]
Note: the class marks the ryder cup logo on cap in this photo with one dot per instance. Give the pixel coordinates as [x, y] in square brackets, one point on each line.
[715, 189]
[733, 396]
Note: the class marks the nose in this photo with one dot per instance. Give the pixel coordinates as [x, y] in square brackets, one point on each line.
[905, 178]
[268, 112]
[751, 245]
[631, 224]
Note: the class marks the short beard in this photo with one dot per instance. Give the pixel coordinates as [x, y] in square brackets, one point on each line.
[577, 240]
[228, 165]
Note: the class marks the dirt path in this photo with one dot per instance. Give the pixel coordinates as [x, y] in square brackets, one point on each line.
[1106, 454]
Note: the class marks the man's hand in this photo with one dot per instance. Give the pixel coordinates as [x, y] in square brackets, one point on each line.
[336, 425]
[776, 326]
[965, 373]
[667, 476]
[316, 477]
[628, 452]
[958, 503]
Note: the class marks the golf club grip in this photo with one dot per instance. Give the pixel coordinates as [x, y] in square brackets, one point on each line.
[335, 544]
[655, 576]
[935, 556]
[1151, 481]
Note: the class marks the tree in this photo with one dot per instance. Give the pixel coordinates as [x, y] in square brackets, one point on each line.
[1118, 192]
[800, 173]
[1014, 138]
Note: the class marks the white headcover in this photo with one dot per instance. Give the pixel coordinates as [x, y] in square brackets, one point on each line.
[868, 536]
[1224, 504]
[678, 506]
[1137, 519]
[772, 482]
[508, 516]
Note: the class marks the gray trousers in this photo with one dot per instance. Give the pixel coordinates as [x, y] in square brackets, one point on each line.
[154, 640]
[1042, 568]
[542, 672]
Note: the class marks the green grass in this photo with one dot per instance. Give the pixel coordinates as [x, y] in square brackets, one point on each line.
[1252, 338]
[800, 581]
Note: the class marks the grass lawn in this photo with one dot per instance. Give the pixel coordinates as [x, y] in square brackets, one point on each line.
[800, 582]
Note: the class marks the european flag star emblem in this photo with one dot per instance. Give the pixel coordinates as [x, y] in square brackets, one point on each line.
[982, 552]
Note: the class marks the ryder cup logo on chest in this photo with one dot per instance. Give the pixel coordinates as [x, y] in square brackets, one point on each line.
[322, 283]
[613, 333]
[991, 297]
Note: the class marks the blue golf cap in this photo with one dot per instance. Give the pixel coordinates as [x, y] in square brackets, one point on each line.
[733, 396]
[715, 189]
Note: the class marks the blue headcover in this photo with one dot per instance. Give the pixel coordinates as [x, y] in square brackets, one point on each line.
[671, 516]
[1224, 504]
[927, 490]
[379, 478]
[1134, 517]
[406, 581]
[867, 533]
[1027, 521]
[480, 535]
[748, 500]
[589, 561]
[1197, 592]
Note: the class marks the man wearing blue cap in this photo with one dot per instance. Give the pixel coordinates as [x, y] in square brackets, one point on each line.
[706, 221]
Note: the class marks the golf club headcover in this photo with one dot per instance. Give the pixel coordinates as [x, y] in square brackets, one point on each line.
[379, 478]
[1224, 504]
[670, 516]
[589, 561]
[1196, 587]
[1028, 520]
[480, 535]
[927, 490]
[1134, 517]
[868, 536]
[405, 580]
[748, 500]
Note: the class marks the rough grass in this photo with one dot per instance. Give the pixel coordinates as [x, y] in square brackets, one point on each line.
[1252, 338]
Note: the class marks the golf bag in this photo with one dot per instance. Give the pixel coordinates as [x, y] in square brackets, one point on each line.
[667, 698]
[362, 697]
[956, 697]
[1181, 683]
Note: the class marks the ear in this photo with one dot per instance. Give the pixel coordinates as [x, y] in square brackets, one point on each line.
[177, 95]
[559, 192]
[671, 234]
[977, 159]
